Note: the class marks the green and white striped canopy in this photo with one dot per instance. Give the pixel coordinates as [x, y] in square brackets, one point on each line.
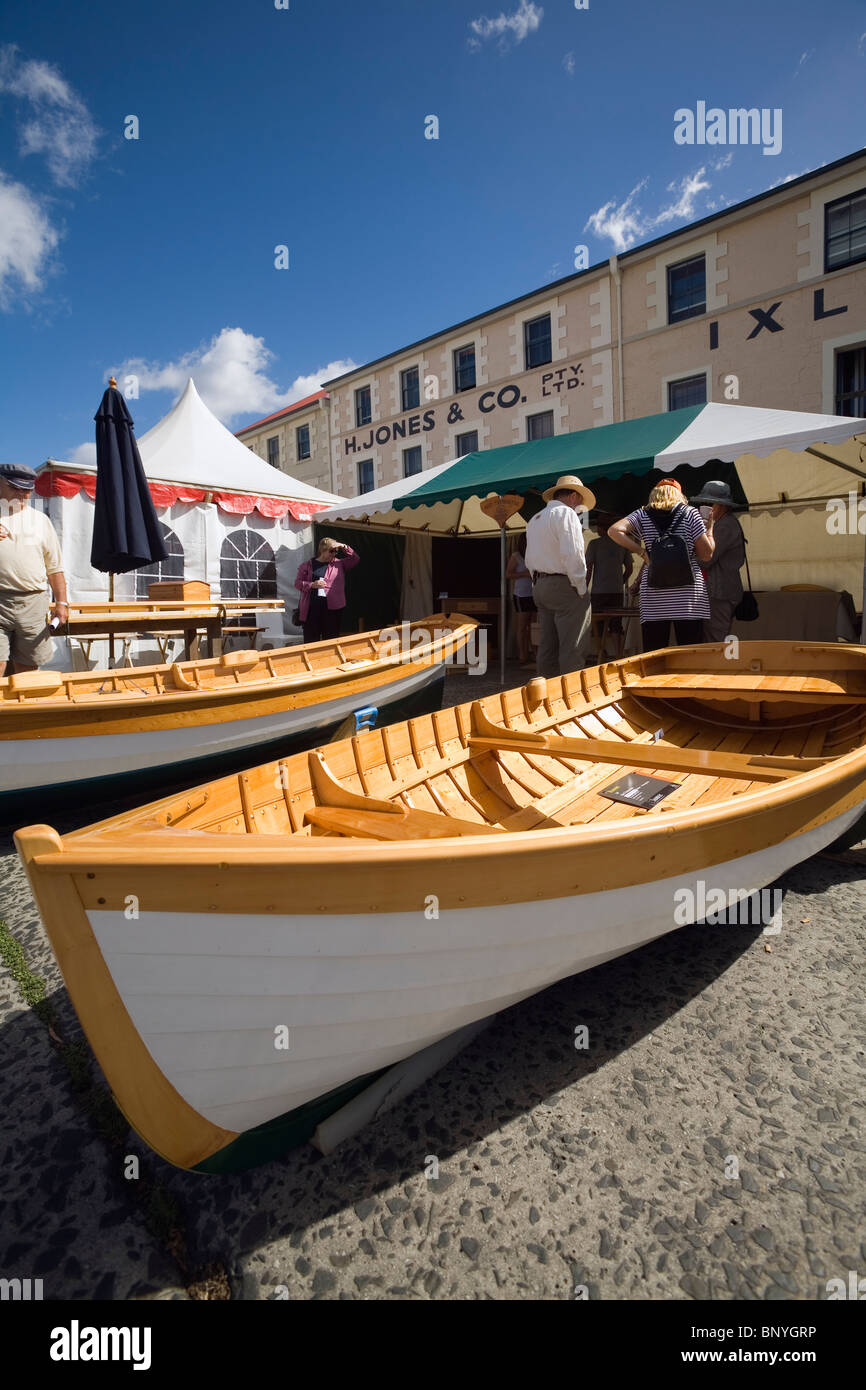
[664, 442]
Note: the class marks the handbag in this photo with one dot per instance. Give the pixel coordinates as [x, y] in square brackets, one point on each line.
[746, 610]
[296, 617]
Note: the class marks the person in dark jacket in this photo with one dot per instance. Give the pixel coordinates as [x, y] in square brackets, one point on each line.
[722, 570]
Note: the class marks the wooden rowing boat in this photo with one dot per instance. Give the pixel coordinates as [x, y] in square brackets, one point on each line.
[107, 732]
[246, 957]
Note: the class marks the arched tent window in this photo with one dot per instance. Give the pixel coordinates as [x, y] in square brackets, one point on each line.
[247, 566]
[170, 568]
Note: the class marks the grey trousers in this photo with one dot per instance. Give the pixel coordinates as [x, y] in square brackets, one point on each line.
[564, 624]
[720, 621]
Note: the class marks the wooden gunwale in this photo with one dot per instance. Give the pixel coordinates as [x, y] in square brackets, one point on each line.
[39, 717]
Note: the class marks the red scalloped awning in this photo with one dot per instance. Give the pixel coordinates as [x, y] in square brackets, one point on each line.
[53, 483]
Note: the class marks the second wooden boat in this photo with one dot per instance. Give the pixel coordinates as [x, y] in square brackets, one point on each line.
[247, 957]
[110, 732]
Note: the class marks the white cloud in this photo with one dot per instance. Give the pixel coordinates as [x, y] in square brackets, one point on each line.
[804, 58]
[683, 206]
[82, 453]
[569, 64]
[54, 121]
[525, 20]
[27, 241]
[231, 376]
[789, 177]
[624, 223]
[861, 43]
[724, 161]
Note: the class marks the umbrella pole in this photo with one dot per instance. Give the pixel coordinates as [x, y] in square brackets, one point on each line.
[502, 587]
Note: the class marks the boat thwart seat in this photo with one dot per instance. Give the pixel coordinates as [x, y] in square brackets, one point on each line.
[749, 685]
[398, 824]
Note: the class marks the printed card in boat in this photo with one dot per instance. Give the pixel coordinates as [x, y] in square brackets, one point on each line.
[635, 790]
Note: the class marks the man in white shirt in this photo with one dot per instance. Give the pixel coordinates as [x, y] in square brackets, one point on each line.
[29, 558]
[555, 558]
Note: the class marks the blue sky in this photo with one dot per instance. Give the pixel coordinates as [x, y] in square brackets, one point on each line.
[304, 127]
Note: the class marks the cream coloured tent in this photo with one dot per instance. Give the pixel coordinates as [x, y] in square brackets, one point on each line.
[231, 519]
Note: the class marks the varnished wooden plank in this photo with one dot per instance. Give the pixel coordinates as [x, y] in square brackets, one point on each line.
[407, 825]
[655, 755]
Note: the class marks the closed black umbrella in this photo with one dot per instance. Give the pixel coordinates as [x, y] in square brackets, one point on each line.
[126, 533]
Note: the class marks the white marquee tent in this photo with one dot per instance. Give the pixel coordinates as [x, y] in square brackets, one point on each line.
[228, 514]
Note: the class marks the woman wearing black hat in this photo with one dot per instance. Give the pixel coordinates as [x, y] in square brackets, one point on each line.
[722, 570]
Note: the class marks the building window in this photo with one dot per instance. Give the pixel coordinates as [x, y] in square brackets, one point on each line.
[302, 436]
[689, 390]
[536, 342]
[363, 408]
[410, 389]
[464, 368]
[540, 426]
[274, 452]
[366, 479]
[687, 289]
[851, 382]
[466, 443]
[412, 461]
[247, 566]
[845, 231]
[170, 568]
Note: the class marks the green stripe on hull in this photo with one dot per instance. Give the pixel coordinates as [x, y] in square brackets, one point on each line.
[272, 1140]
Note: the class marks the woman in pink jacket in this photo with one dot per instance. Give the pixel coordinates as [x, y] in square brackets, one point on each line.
[321, 584]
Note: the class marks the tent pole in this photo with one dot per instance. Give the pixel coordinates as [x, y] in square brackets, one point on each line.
[502, 588]
[828, 458]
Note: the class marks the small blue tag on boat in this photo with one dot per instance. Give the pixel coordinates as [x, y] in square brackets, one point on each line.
[636, 790]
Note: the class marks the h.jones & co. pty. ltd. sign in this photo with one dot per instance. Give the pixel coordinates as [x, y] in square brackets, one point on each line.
[552, 382]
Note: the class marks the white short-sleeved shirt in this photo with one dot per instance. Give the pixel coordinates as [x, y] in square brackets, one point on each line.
[30, 553]
[685, 603]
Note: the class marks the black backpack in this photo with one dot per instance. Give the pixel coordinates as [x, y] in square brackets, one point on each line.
[669, 564]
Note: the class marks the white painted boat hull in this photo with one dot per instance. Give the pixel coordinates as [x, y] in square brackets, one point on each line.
[29, 764]
[208, 993]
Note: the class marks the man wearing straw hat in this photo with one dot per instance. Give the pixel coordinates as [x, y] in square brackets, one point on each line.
[29, 555]
[555, 558]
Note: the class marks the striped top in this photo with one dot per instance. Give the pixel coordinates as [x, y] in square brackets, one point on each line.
[656, 605]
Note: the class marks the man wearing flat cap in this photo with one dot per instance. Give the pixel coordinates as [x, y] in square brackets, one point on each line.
[29, 557]
[555, 558]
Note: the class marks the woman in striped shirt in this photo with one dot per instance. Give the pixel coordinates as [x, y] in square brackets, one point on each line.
[686, 606]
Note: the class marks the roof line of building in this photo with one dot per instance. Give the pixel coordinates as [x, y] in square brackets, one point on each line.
[600, 265]
[287, 410]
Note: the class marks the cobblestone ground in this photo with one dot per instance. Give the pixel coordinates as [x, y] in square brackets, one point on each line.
[708, 1143]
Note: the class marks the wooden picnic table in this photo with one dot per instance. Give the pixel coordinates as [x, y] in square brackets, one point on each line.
[92, 620]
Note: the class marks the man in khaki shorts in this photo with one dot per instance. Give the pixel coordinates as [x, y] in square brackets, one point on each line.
[29, 555]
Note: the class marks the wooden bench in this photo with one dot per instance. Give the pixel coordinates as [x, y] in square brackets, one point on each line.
[399, 824]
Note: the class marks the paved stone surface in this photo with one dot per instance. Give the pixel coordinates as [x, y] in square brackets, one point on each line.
[709, 1142]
